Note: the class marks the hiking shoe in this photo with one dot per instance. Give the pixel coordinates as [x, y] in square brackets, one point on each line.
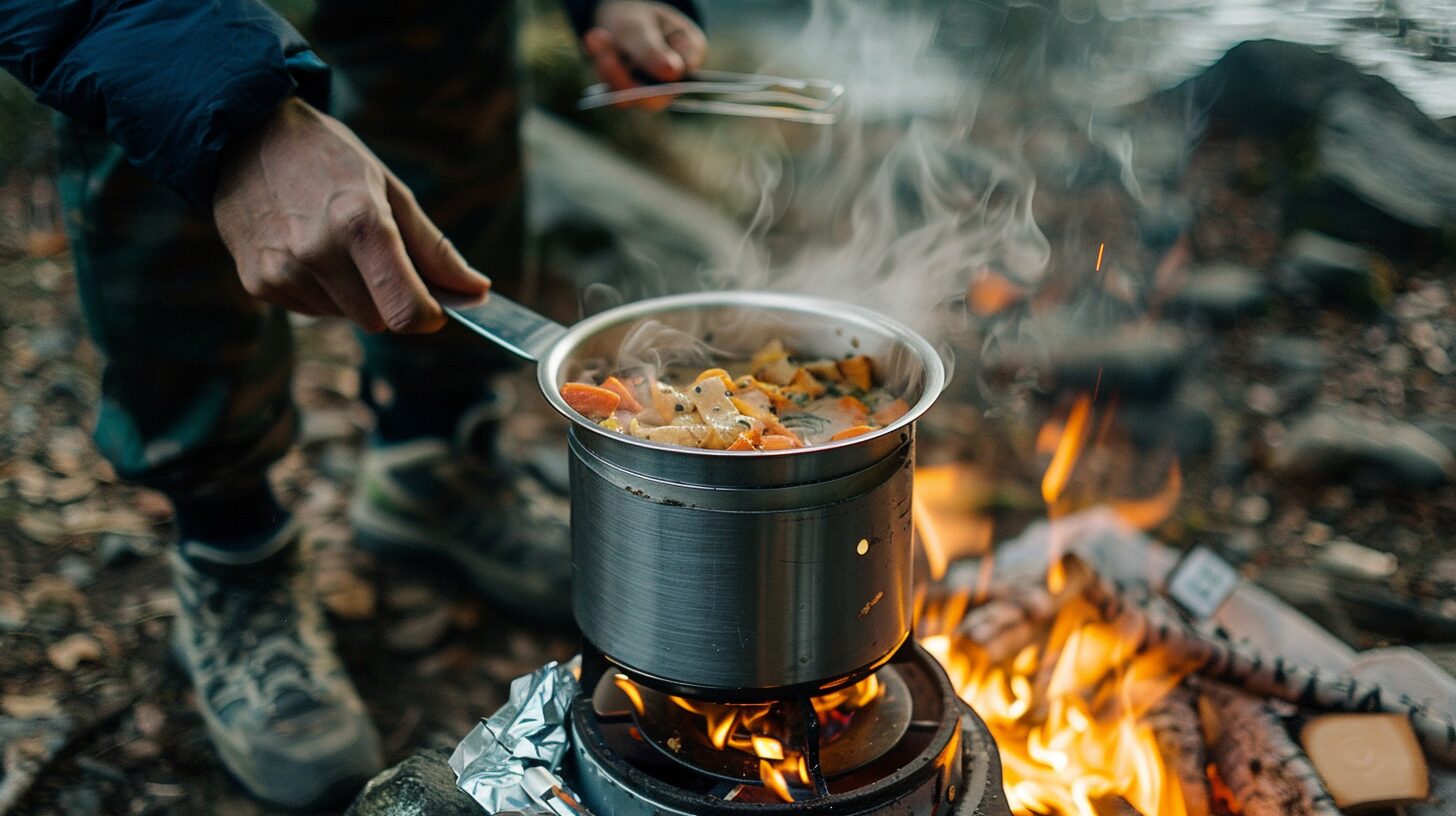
[278, 706]
[498, 524]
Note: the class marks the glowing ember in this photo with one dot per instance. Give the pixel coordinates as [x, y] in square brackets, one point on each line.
[990, 293]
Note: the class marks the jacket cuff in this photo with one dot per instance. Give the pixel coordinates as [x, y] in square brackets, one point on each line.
[243, 108]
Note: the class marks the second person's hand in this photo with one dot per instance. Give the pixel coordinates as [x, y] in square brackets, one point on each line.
[651, 38]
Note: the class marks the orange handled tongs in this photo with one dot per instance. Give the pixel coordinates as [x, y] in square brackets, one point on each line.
[813, 101]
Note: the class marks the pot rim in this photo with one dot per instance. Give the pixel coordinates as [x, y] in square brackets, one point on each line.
[826, 309]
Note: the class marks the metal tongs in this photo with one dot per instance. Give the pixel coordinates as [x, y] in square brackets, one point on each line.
[812, 101]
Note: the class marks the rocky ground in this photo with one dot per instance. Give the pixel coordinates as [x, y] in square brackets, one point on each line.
[1277, 322]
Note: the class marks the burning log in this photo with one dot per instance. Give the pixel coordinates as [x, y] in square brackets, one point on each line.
[1174, 720]
[1114, 805]
[1265, 769]
[1218, 659]
[1003, 626]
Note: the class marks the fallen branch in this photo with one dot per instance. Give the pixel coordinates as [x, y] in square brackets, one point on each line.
[1266, 771]
[1174, 720]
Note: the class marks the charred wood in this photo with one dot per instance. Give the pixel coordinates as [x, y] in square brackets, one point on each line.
[1114, 805]
[1264, 768]
[1174, 720]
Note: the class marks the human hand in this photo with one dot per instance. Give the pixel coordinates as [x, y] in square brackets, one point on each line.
[318, 225]
[654, 38]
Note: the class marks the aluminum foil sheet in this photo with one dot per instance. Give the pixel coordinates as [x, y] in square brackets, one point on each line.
[529, 731]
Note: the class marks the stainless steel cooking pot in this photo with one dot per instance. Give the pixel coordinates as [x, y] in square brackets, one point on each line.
[735, 574]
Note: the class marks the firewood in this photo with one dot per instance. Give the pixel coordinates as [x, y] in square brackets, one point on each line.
[1214, 657]
[1174, 720]
[1113, 805]
[1262, 765]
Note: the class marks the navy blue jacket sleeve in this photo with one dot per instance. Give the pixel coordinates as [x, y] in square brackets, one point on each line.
[583, 12]
[171, 81]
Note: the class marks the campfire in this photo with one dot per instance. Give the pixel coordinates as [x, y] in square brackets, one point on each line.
[1107, 700]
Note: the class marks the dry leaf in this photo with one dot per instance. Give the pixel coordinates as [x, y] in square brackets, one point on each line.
[72, 651]
[150, 719]
[30, 706]
[345, 594]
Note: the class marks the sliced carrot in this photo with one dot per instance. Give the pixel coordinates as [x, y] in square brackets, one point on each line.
[591, 401]
[629, 400]
[805, 383]
[890, 412]
[854, 408]
[850, 433]
[859, 371]
[742, 443]
[780, 442]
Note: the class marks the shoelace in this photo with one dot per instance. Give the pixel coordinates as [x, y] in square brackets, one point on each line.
[257, 639]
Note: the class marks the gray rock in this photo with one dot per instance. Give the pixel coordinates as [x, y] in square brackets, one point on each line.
[77, 570]
[423, 785]
[1337, 446]
[1312, 592]
[77, 801]
[1381, 171]
[1140, 362]
[1297, 354]
[1357, 561]
[1221, 296]
[1380, 175]
[1185, 428]
[1319, 269]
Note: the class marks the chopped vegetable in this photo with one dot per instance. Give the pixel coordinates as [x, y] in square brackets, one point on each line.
[859, 371]
[629, 400]
[772, 403]
[591, 401]
[890, 411]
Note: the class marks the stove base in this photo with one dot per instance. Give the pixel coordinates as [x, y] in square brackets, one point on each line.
[970, 786]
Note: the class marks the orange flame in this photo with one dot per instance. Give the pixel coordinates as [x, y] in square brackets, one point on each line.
[758, 729]
[1066, 708]
[1067, 716]
[1147, 513]
[630, 689]
[773, 779]
[945, 534]
[1068, 448]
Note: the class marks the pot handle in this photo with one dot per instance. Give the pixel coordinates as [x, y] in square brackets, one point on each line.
[504, 322]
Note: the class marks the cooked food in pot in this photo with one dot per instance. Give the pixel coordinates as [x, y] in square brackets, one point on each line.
[773, 402]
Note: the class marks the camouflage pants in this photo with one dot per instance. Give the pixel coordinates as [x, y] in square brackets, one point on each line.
[196, 392]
